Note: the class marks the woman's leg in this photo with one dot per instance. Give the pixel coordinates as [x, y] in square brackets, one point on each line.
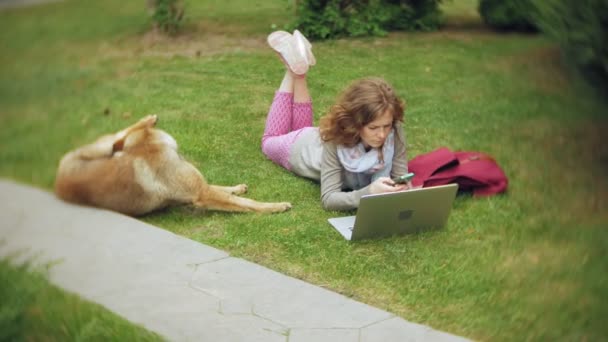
[277, 139]
[291, 110]
[302, 104]
[278, 121]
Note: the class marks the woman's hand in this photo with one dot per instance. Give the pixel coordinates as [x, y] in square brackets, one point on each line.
[385, 184]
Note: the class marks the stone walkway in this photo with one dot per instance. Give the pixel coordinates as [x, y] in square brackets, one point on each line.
[179, 288]
[21, 3]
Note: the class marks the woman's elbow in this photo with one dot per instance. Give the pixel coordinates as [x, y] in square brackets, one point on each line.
[326, 203]
[332, 204]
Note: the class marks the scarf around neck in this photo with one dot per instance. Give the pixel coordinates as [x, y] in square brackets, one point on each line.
[366, 165]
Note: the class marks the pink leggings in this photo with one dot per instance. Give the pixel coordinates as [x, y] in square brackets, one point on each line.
[284, 123]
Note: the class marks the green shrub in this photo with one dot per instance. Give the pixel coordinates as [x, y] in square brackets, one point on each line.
[166, 14]
[581, 29]
[421, 15]
[323, 19]
[515, 15]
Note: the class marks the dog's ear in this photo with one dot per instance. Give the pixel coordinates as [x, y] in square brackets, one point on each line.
[118, 145]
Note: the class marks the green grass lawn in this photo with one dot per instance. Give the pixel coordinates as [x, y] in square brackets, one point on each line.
[527, 265]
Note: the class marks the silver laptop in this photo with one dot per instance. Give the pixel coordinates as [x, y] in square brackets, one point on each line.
[398, 213]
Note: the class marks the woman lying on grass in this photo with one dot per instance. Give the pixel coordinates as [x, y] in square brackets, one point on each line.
[359, 146]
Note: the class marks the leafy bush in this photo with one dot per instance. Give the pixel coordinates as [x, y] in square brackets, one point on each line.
[517, 15]
[323, 19]
[581, 29]
[166, 14]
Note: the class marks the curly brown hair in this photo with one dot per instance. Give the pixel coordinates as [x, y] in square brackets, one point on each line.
[361, 103]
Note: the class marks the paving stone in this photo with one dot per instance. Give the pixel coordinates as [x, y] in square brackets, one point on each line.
[282, 299]
[22, 3]
[398, 329]
[324, 335]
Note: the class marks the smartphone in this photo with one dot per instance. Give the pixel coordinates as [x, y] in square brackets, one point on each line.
[404, 179]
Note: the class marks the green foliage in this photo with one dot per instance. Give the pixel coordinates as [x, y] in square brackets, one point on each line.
[166, 14]
[516, 15]
[323, 19]
[581, 29]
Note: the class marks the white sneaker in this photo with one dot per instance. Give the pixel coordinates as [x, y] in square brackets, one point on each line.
[304, 47]
[287, 47]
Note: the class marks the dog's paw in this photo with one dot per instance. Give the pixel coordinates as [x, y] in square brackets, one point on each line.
[239, 189]
[282, 206]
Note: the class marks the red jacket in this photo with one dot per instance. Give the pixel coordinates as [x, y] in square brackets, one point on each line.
[472, 171]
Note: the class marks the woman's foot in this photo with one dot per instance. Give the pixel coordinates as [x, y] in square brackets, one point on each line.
[304, 47]
[286, 46]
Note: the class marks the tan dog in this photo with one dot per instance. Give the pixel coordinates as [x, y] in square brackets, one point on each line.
[138, 170]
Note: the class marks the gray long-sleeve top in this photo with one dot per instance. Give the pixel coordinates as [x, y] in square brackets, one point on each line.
[311, 158]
